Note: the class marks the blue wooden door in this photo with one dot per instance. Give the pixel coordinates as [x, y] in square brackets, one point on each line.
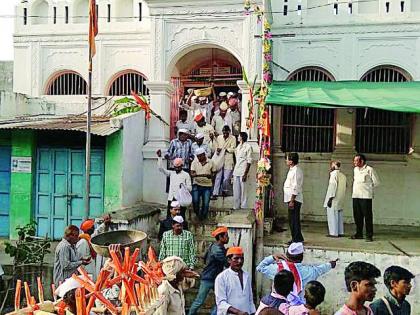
[60, 188]
[5, 157]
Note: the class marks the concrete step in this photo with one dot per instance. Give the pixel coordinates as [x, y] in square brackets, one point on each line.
[222, 203]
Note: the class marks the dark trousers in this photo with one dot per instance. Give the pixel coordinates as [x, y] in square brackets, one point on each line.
[362, 213]
[168, 213]
[294, 222]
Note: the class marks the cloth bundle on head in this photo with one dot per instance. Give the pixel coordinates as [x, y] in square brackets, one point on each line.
[295, 249]
[198, 117]
[223, 106]
[199, 136]
[200, 151]
[182, 130]
[87, 225]
[219, 230]
[178, 219]
[234, 251]
[171, 266]
[178, 162]
[175, 204]
[68, 285]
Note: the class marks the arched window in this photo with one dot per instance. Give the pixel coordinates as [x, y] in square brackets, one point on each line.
[128, 81]
[66, 83]
[39, 12]
[81, 11]
[306, 129]
[381, 131]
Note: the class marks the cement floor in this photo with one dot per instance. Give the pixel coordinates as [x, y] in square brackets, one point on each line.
[394, 240]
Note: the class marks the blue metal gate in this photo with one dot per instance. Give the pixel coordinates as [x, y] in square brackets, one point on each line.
[60, 186]
[5, 157]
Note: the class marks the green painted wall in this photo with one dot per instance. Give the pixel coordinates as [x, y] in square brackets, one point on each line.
[23, 145]
[113, 171]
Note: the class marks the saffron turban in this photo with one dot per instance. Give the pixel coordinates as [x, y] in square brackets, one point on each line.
[234, 251]
[198, 117]
[87, 225]
[178, 162]
[219, 230]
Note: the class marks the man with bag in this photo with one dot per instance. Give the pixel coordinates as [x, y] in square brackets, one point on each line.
[202, 172]
[177, 178]
[225, 146]
[216, 261]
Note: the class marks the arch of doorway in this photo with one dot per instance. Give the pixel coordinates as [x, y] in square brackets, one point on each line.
[189, 47]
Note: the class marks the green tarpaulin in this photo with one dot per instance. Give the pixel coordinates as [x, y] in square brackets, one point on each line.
[395, 96]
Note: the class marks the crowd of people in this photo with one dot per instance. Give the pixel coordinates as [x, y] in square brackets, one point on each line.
[365, 180]
[210, 156]
[295, 286]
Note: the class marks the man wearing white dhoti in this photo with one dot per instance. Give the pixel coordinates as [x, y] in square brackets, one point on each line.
[334, 200]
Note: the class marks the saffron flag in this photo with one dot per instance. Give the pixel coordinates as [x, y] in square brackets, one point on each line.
[142, 103]
[93, 28]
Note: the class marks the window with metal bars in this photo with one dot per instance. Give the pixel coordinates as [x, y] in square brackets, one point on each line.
[380, 131]
[127, 82]
[67, 83]
[306, 129]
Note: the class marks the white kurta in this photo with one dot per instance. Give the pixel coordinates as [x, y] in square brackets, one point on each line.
[337, 190]
[229, 292]
[83, 251]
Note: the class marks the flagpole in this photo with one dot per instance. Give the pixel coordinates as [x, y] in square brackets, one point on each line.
[88, 139]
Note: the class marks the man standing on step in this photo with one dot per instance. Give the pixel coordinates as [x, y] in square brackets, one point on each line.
[202, 172]
[243, 155]
[292, 261]
[233, 287]
[364, 181]
[178, 242]
[216, 261]
[293, 196]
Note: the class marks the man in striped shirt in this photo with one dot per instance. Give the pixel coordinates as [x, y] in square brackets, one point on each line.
[180, 148]
[178, 242]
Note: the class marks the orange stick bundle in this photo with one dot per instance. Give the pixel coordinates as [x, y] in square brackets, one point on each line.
[17, 294]
[40, 290]
[27, 294]
[80, 302]
[139, 297]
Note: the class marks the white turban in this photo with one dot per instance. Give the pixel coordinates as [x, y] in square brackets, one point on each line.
[171, 266]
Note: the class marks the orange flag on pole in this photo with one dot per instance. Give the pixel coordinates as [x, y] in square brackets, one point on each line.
[93, 28]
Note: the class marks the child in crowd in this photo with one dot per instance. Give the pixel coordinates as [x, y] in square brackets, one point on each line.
[398, 282]
[314, 295]
[283, 285]
[360, 282]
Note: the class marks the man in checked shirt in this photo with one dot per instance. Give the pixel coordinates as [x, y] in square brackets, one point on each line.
[178, 242]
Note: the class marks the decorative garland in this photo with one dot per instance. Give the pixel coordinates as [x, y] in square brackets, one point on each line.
[263, 114]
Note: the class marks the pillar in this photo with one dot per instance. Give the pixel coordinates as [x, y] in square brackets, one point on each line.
[241, 225]
[345, 134]
[22, 184]
[157, 137]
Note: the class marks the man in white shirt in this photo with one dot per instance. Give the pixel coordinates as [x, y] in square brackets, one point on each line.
[243, 156]
[364, 181]
[293, 196]
[221, 119]
[206, 129]
[177, 177]
[334, 200]
[233, 288]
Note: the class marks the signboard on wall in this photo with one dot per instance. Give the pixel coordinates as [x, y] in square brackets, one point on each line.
[21, 164]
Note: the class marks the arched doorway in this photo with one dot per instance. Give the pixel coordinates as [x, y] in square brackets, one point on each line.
[201, 68]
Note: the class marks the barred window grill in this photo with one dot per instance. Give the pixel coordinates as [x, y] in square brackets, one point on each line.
[67, 83]
[127, 82]
[306, 129]
[380, 131]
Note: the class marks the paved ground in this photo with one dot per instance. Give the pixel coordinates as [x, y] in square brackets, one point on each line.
[395, 240]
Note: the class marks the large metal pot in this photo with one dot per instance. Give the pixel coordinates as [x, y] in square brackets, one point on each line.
[130, 238]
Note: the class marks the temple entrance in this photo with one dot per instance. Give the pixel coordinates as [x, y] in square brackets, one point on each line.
[203, 68]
